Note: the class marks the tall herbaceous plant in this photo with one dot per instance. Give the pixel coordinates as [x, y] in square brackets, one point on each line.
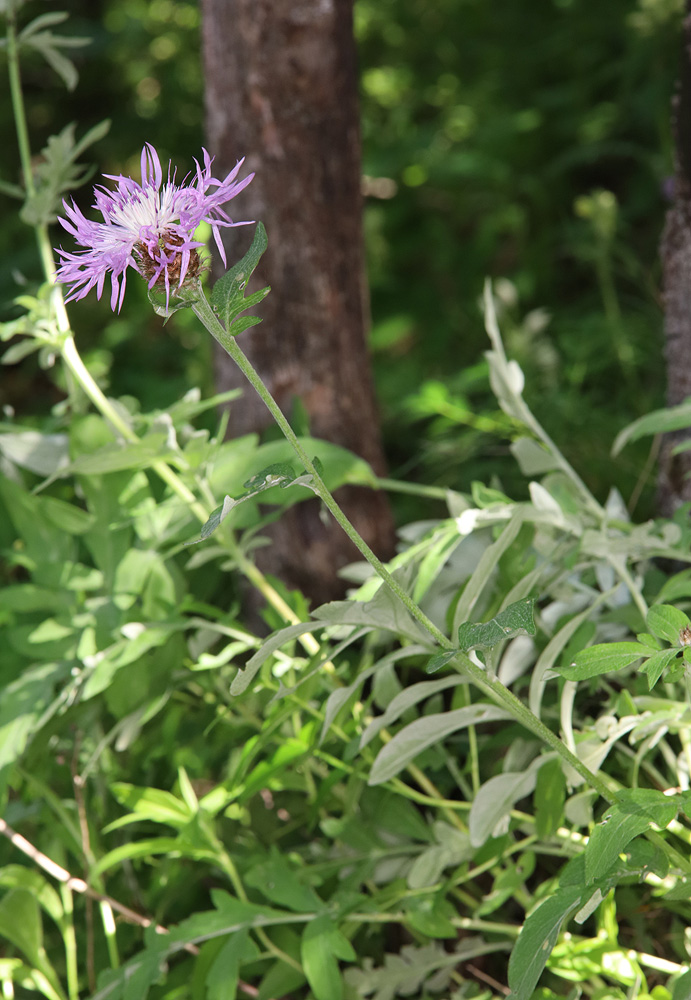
[468, 779]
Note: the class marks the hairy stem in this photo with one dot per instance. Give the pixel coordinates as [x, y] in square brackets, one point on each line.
[491, 686]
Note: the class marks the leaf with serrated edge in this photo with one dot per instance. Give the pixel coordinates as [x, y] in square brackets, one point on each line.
[228, 295]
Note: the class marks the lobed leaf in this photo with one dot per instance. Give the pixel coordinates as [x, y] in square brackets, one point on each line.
[228, 294]
[515, 620]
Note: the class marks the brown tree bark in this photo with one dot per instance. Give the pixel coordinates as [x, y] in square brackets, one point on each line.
[674, 482]
[281, 88]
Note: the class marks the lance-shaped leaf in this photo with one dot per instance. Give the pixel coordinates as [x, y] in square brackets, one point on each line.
[515, 620]
[603, 659]
[228, 296]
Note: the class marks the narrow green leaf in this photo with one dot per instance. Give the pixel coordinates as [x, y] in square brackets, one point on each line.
[496, 798]
[147, 848]
[338, 698]
[672, 418]
[21, 707]
[603, 659]
[427, 732]
[383, 611]
[439, 660]
[515, 620]
[153, 804]
[484, 569]
[222, 977]
[118, 455]
[435, 559]
[550, 795]
[405, 699]
[244, 678]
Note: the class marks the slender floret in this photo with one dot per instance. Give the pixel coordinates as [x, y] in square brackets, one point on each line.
[149, 227]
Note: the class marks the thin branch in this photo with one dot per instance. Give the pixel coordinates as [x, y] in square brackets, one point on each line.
[78, 884]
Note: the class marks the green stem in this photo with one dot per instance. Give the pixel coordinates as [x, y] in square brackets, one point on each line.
[80, 373]
[18, 101]
[491, 686]
[70, 940]
[109, 930]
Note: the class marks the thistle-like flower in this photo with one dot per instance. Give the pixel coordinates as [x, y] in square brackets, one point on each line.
[149, 227]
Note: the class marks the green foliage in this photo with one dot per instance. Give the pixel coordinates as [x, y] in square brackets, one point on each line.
[308, 813]
[325, 787]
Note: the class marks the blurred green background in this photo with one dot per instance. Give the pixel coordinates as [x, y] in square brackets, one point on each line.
[526, 141]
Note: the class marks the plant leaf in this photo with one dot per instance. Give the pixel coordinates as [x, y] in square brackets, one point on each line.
[515, 620]
[672, 418]
[537, 939]
[322, 944]
[666, 622]
[630, 816]
[603, 659]
[228, 295]
[426, 732]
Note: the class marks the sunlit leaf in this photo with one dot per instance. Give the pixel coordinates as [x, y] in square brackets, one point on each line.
[603, 659]
[515, 620]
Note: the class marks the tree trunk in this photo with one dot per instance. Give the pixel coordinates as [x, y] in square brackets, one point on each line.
[281, 88]
[674, 484]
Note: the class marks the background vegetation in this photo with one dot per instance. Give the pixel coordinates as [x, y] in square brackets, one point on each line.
[337, 812]
[488, 144]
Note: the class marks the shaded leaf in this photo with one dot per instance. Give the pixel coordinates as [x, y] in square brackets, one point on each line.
[426, 732]
[21, 707]
[278, 882]
[672, 418]
[404, 700]
[497, 797]
[222, 977]
[322, 944]
[440, 660]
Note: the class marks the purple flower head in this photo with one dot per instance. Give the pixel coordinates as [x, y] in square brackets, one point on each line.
[148, 226]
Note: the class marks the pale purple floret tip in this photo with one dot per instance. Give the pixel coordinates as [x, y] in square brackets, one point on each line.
[149, 227]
